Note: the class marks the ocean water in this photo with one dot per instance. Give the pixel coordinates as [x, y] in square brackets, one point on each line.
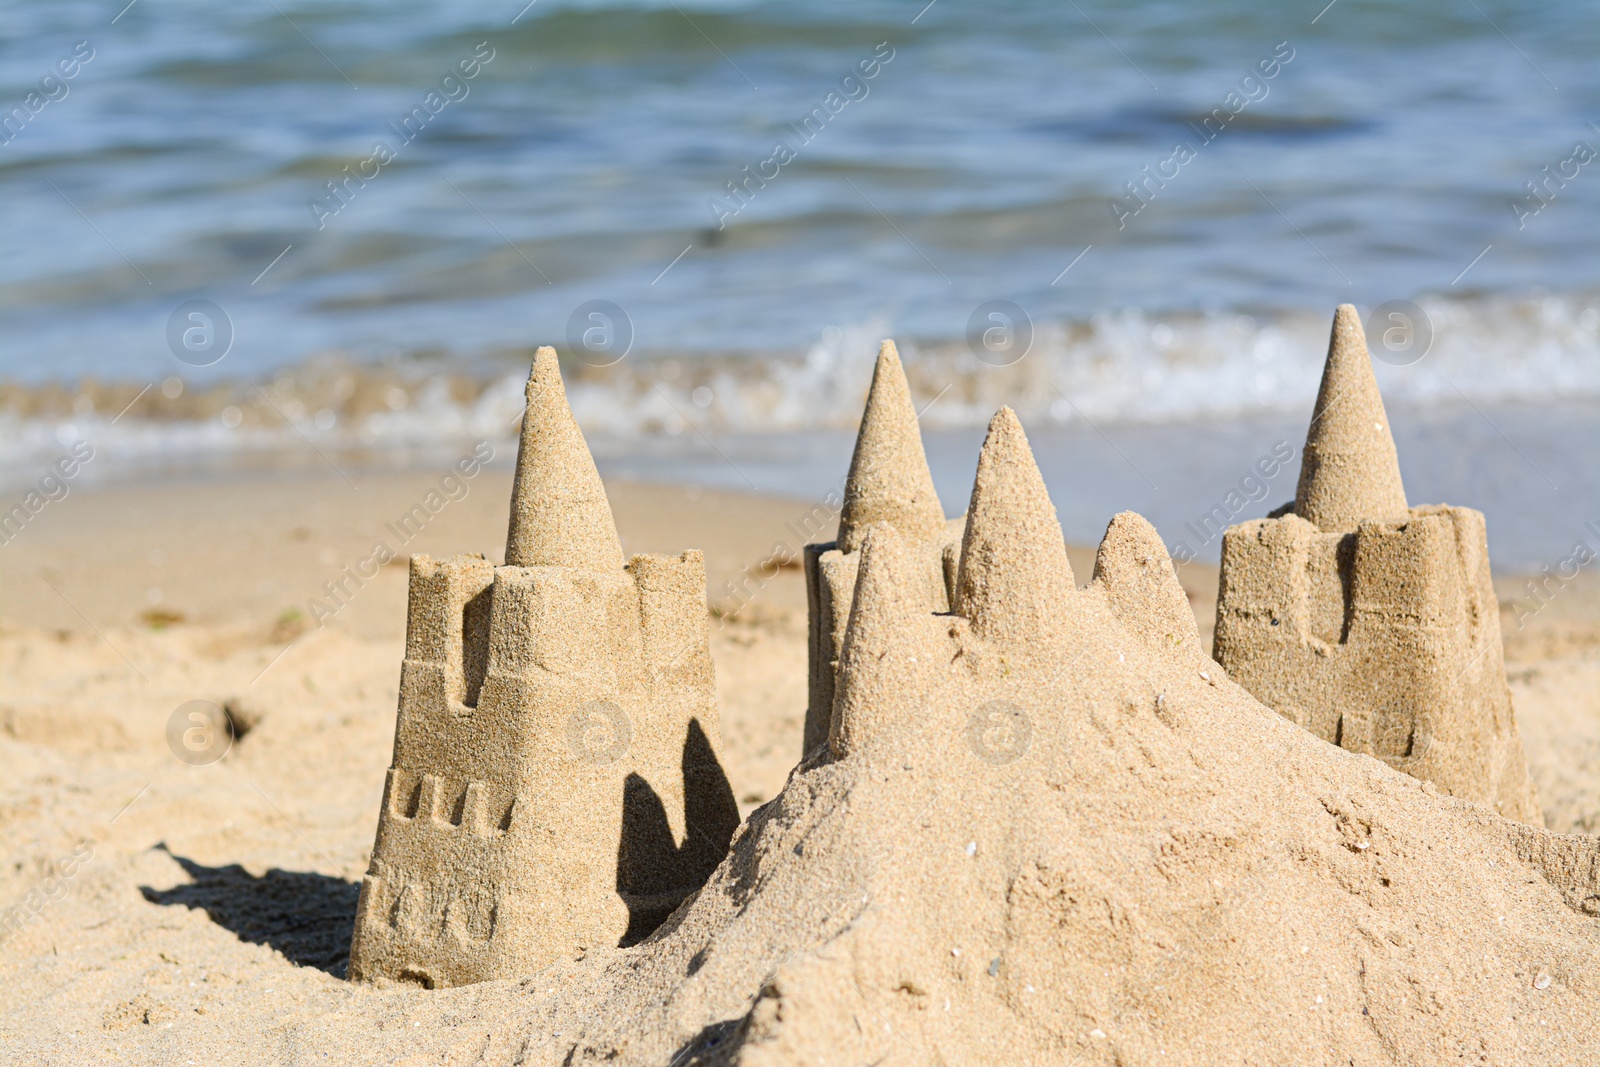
[1129, 221]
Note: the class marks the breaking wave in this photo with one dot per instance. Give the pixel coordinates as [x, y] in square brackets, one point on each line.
[1116, 367]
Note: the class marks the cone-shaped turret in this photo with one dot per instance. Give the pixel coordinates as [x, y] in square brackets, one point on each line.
[878, 679]
[1133, 568]
[889, 479]
[559, 513]
[1014, 567]
[1349, 472]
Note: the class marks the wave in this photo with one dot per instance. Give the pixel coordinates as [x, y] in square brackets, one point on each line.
[1115, 367]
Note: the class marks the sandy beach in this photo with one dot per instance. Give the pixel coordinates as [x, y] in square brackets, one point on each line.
[207, 913]
[831, 535]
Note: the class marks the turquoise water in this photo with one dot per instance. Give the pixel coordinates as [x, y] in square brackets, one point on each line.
[1170, 198]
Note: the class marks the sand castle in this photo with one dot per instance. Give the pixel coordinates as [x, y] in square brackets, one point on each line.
[556, 784]
[1371, 623]
[889, 481]
[1015, 597]
[1031, 839]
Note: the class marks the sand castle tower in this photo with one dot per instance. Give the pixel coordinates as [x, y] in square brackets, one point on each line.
[1015, 610]
[556, 782]
[1373, 624]
[889, 481]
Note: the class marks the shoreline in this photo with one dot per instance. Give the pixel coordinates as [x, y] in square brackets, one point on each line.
[1522, 465]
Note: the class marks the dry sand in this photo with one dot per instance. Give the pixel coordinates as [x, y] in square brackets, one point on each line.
[1184, 891]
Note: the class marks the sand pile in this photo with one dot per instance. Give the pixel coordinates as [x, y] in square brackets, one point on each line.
[889, 482]
[554, 713]
[1049, 829]
[1045, 826]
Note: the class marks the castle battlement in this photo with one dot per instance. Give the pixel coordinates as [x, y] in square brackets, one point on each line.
[1371, 623]
[917, 685]
[555, 784]
[889, 482]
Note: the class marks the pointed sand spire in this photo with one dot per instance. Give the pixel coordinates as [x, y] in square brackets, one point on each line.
[874, 680]
[1014, 569]
[1133, 568]
[559, 513]
[1349, 472]
[889, 479]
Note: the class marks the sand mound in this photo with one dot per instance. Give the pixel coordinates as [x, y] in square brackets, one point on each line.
[1050, 830]
[533, 698]
[889, 482]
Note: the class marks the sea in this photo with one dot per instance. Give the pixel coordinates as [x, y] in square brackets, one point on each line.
[328, 236]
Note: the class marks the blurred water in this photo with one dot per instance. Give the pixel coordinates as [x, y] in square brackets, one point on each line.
[589, 156]
[585, 154]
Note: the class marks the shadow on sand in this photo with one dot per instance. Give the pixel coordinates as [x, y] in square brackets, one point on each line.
[307, 917]
[655, 873]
